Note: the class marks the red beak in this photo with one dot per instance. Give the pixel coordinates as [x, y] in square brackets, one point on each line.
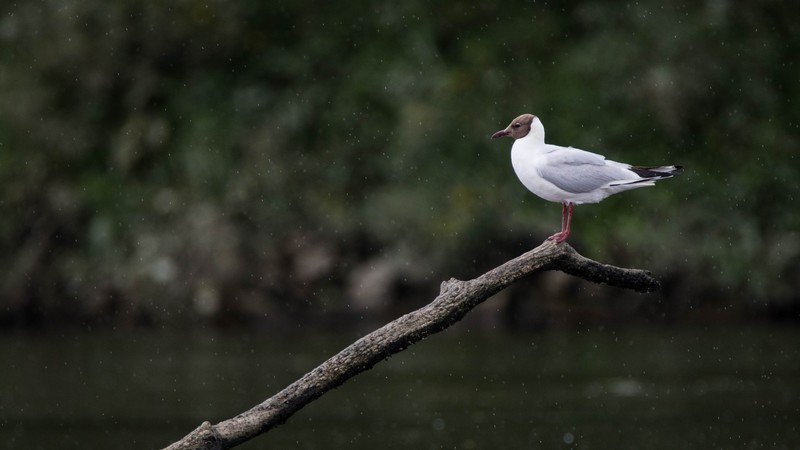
[500, 134]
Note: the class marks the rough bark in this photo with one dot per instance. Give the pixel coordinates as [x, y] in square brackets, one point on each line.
[455, 299]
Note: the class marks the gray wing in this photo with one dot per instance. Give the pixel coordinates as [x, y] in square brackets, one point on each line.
[579, 171]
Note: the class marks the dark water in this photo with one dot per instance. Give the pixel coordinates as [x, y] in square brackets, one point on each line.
[668, 389]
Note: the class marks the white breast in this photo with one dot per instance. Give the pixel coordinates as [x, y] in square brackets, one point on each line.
[525, 163]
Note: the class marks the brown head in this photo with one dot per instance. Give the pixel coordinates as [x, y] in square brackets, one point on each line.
[520, 127]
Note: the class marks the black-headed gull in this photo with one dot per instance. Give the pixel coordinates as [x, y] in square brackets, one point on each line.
[568, 175]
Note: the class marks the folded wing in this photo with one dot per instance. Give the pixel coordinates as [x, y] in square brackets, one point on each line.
[579, 171]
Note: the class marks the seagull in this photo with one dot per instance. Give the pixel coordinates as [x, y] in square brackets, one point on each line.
[568, 175]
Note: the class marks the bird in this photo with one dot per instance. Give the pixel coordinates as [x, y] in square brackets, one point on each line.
[568, 175]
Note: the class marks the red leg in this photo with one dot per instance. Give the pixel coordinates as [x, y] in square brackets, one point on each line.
[566, 220]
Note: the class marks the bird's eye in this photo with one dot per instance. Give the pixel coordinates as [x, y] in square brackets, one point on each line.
[516, 125]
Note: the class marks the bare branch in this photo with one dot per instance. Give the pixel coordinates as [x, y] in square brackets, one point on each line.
[455, 300]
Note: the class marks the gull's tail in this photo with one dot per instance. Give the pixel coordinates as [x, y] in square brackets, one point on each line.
[657, 172]
[648, 176]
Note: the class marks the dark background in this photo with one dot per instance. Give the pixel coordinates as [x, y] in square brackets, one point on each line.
[266, 163]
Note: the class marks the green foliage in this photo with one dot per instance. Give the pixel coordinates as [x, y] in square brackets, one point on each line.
[175, 149]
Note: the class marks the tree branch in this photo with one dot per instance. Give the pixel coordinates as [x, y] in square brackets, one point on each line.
[455, 300]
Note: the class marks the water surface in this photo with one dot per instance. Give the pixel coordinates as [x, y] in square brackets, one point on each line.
[689, 388]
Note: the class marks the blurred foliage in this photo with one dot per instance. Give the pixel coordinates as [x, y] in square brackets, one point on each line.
[181, 160]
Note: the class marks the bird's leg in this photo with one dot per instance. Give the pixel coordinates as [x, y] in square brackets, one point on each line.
[566, 220]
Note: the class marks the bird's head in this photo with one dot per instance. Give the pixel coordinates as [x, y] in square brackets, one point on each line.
[523, 126]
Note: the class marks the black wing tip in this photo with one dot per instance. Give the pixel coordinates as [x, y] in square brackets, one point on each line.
[658, 172]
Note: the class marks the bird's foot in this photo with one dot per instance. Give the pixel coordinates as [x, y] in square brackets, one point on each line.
[559, 237]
